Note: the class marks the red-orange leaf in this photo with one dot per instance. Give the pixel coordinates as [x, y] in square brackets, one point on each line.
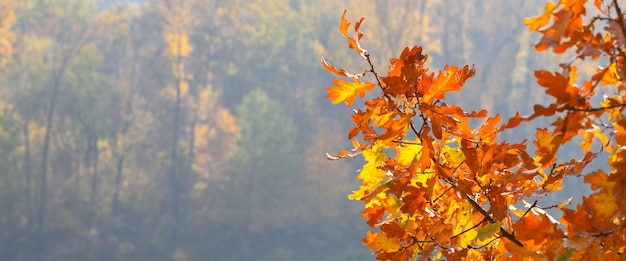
[357, 26]
[578, 220]
[373, 214]
[450, 80]
[532, 227]
[393, 230]
[556, 85]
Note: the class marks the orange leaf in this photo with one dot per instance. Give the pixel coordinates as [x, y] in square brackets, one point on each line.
[530, 227]
[393, 230]
[597, 179]
[414, 200]
[578, 220]
[620, 131]
[619, 189]
[556, 85]
[547, 144]
[344, 24]
[347, 91]
[552, 36]
[331, 68]
[382, 242]
[450, 80]
[603, 208]
[373, 214]
[357, 25]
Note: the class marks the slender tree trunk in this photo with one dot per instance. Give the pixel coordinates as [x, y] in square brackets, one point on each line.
[118, 180]
[246, 249]
[126, 125]
[41, 213]
[29, 207]
[174, 184]
[10, 206]
[94, 181]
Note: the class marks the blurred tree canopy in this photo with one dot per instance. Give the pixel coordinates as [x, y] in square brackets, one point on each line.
[196, 129]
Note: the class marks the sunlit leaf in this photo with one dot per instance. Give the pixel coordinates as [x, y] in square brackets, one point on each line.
[347, 91]
[344, 24]
[539, 21]
[450, 80]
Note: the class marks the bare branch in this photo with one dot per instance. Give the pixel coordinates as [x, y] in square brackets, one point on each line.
[620, 17]
[491, 220]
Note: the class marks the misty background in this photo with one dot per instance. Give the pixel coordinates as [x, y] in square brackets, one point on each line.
[197, 129]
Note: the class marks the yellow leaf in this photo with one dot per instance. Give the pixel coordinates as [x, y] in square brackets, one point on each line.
[463, 223]
[537, 22]
[407, 153]
[611, 77]
[371, 175]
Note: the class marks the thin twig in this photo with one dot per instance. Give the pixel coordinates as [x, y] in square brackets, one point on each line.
[414, 130]
[446, 191]
[465, 231]
[367, 57]
[407, 142]
[490, 241]
[530, 208]
[620, 106]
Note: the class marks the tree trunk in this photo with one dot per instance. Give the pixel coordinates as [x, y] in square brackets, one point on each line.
[94, 181]
[41, 213]
[29, 207]
[126, 125]
[174, 186]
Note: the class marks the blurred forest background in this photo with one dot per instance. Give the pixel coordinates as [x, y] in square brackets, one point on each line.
[197, 129]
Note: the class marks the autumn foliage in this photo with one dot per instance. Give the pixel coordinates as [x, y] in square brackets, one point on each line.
[437, 187]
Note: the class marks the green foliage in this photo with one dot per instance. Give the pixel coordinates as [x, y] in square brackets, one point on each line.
[268, 160]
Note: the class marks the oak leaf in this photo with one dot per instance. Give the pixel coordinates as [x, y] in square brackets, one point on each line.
[451, 79]
[347, 91]
[539, 21]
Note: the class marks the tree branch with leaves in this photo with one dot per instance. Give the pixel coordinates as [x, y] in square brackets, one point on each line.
[436, 187]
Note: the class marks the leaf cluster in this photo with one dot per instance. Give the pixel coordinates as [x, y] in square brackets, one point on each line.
[436, 187]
